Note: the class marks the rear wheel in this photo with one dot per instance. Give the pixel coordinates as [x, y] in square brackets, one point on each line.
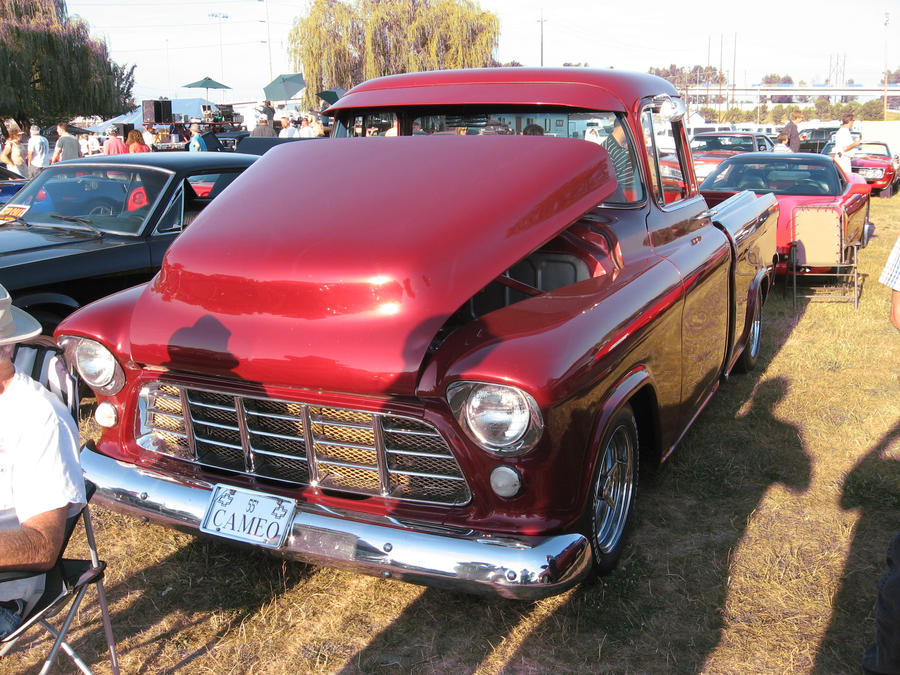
[613, 490]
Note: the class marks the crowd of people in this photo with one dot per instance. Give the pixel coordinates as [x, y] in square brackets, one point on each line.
[29, 158]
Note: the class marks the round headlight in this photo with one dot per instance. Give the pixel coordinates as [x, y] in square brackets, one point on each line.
[500, 418]
[497, 415]
[95, 363]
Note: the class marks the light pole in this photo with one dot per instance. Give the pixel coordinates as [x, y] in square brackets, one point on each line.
[887, 20]
[220, 16]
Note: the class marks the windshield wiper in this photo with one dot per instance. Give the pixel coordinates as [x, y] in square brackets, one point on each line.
[81, 221]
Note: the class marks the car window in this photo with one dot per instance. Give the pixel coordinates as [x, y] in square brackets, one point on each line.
[781, 178]
[879, 149]
[109, 198]
[210, 185]
[667, 170]
[172, 218]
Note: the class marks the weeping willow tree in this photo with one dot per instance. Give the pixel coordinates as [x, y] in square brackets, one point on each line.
[50, 68]
[342, 44]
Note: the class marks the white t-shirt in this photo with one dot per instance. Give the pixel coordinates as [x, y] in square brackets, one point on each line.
[39, 467]
[843, 138]
[39, 147]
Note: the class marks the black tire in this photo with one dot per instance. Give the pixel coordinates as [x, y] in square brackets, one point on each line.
[748, 358]
[608, 513]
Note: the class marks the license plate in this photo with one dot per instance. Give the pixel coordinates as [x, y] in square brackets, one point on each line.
[248, 516]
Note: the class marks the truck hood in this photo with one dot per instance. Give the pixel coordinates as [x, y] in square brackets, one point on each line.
[333, 264]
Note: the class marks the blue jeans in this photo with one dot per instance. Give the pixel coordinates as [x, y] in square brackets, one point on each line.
[8, 622]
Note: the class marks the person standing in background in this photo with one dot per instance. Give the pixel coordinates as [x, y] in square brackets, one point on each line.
[66, 147]
[844, 144]
[135, 142]
[113, 145]
[793, 134]
[15, 153]
[38, 152]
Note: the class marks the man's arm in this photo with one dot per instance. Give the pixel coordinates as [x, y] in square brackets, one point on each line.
[35, 546]
[56, 151]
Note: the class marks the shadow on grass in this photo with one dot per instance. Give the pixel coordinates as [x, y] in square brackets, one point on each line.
[662, 609]
[178, 594]
[873, 488]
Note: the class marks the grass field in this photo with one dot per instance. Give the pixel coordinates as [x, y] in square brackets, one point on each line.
[757, 547]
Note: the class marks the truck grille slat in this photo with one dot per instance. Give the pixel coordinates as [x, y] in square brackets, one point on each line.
[353, 451]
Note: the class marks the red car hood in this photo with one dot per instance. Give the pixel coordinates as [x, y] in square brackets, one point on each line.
[332, 264]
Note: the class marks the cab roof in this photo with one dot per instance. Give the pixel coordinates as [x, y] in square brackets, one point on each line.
[570, 87]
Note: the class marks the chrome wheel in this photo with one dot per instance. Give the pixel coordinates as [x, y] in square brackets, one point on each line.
[747, 361]
[614, 488]
[755, 330]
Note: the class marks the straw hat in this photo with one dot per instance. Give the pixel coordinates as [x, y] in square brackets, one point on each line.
[15, 324]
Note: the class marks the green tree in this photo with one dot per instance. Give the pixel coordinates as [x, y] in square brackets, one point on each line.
[53, 69]
[342, 44]
[872, 110]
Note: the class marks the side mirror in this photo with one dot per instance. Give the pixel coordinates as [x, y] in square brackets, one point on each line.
[670, 109]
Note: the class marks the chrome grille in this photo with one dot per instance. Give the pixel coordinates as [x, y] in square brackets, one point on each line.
[335, 448]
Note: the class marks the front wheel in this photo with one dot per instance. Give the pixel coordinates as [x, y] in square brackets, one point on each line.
[613, 490]
[750, 355]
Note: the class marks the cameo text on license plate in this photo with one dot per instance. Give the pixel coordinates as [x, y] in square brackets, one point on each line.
[248, 516]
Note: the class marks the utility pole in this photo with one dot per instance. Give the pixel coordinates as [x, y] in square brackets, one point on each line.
[734, 70]
[887, 20]
[542, 21]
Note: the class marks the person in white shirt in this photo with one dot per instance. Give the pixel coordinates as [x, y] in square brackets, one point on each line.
[844, 144]
[305, 131]
[288, 131]
[38, 152]
[41, 482]
[782, 144]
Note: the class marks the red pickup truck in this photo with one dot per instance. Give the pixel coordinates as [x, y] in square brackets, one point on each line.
[439, 346]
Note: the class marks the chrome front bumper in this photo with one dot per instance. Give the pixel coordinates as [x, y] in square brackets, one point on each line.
[519, 567]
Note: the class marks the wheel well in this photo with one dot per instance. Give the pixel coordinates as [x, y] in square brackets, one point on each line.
[646, 414]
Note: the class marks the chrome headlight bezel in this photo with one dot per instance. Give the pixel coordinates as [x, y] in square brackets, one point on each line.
[525, 425]
[95, 363]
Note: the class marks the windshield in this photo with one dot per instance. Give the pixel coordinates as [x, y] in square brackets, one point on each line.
[115, 199]
[601, 127]
[787, 177]
[723, 142]
[879, 149]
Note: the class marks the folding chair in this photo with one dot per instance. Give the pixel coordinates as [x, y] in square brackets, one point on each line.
[819, 246]
[68, 578]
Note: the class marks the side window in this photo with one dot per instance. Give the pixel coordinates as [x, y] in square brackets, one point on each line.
[620, 148]
[173, 217]
[667, 170]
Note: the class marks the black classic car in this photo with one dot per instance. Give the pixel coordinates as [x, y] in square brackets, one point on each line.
[88, 227]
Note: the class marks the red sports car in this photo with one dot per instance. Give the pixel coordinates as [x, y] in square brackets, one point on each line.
[874, 162]
[797, 180]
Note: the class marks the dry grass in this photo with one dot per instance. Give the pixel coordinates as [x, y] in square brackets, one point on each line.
[757, 550]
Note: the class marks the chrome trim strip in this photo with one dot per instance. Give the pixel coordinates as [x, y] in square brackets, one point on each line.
[309, 443]
[188, 424]
[511, 566]
[249, 464]
[384, 476]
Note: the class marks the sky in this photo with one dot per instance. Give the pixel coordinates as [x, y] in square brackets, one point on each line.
[243, 43]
